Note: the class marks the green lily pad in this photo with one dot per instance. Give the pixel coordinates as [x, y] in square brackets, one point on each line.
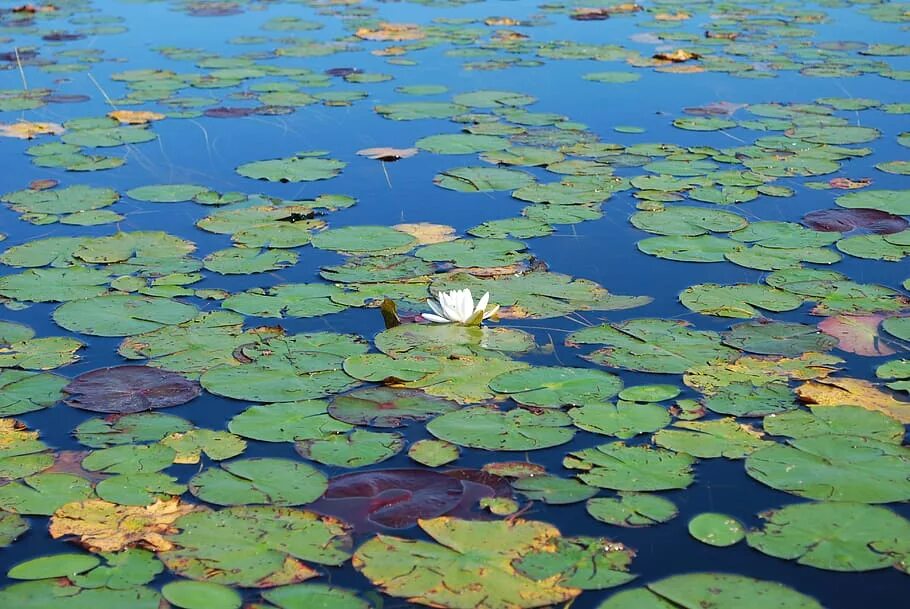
[355, 449]
[475, 252]
[461, 143]
[22, 391]
[444, 340]
[288, 300]
[481, 555]
[12, 526]
[42, 494]
[738, 301]
[130, 459]
[835, 468]
[55, 201]
[652, 345]
[631, 468]
[142, 488]
[194, 346]
[632, 509]
[649, 393]
[264, 480]
[55, 284]
[245, 261]
[121, 570]
[703, 248]
[166, 193]
[433, 453]
[286, 422]
[121, 314]
[377, 269]
[709, 439]
[553, 387]
[842, 420]
[540, 294]
[699, 590]
[778, 338]
[364, 240]
[314, 596]
[589, 563]
[717, 530]
[190, 445]
[834, 536]
[892, 248]
[622, 420]
[287, 369]
[129, 429]
[55, 565]
[892, 201]
[744, 399]
[48, 593]
[201, 595]
[687, 221]
[482, 179]
[553, 489]
[292, 169]
[464, 379]
[491, 429]
[409, 111]
[257, 547]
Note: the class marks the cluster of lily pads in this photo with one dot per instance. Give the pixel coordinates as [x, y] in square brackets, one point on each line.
[295, 484]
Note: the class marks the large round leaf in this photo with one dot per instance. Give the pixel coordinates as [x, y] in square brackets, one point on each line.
[254, 546]
[260, 480]
[552, 387]
[835, 468]
[121, 314]
[126, 389]
[386, 407]
[492, 429]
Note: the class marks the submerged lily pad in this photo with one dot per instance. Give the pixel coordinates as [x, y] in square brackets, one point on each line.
[385, 407]
[126, 389]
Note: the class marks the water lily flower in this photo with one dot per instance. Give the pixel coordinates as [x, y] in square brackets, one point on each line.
[457, 306]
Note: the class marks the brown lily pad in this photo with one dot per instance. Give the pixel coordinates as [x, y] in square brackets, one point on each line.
[126, 389]
[841, 220]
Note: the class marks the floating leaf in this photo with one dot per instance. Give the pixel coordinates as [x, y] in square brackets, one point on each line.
[631, 468]
[257, 547]
[96, 524]
[652, 345]
[292, 169]
[491, 429]
[717, 530]
[767, 337]
[355, 449]
[831, 392]
[623, 419]
[126, 389]
[483, 552]
[715, 438]
[834, 468]
[383, 407]
[121, 314]
[835, 536]
[552, 387]
[553, 489]
[482, 179]
[632, 509]
[201, 595]
[42, 494]
[259, 480]
[695, 590]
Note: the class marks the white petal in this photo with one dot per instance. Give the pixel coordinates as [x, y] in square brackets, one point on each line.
[491, 312]
[466, 305]
[482, 303]
[435, 306]
[435, 318]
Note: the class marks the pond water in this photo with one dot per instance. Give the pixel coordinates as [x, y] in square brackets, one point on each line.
[222, 221]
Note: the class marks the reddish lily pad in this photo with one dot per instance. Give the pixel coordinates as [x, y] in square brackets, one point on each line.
[385, 407]
[127, 389]
[839, 220]
[389, 499]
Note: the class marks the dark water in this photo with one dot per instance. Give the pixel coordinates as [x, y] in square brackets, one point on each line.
[206, 151]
